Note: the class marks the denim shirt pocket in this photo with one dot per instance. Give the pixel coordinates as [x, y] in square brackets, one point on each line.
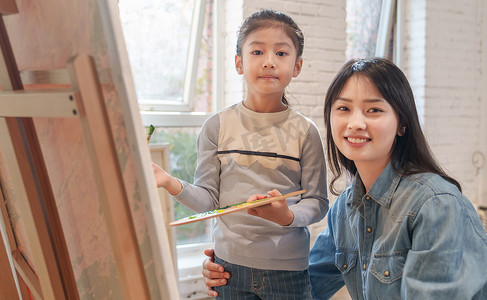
[388, 268]
[345, 260]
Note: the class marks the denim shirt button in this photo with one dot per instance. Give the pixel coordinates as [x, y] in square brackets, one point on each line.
[345, 266]
[386, 273]
[369, 229]
[367, 197]
[365, 267]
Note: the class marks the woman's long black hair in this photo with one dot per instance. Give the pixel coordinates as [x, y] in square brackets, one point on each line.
[410, 152]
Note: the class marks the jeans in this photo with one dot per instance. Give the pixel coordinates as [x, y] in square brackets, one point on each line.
[249, 283]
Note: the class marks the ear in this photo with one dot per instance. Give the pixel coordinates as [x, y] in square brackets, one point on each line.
[401, 131]
[238, 64]
[297, 67]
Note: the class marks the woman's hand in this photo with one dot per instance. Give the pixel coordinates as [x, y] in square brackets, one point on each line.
[166, 181]
[213, 274]
[277, 212]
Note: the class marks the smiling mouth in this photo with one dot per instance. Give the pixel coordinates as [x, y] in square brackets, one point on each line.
[356, 140]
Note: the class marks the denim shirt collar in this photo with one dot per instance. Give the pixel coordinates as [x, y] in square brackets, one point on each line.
[381, 191]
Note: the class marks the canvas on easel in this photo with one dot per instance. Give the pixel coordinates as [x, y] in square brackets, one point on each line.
[94, 166]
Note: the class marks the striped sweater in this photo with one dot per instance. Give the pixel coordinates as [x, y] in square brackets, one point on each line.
[241, 153]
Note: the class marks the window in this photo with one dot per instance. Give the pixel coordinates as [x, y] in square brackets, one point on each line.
[374, 29]
[169, 44]
[363, 18]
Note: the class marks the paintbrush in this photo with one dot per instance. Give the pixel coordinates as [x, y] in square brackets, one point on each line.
[150, 132]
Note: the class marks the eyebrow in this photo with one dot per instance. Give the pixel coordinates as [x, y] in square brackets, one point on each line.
[373, 100]
[276, 44]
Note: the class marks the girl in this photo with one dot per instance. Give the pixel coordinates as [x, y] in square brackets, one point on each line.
[251, 146]
[402, 230]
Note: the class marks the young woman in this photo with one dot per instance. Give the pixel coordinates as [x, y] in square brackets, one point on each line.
[254, 146]
[403, 229]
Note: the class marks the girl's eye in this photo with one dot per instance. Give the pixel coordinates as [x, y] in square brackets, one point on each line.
[342, 108]
[281, 53]
[374, 110]
[257, 52]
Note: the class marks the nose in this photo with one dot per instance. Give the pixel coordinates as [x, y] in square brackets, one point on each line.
[357, 121]
[269, 62]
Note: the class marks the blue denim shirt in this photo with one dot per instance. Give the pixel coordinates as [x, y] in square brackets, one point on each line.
[409, 237]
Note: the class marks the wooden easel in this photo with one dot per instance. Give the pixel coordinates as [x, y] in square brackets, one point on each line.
[53, 275]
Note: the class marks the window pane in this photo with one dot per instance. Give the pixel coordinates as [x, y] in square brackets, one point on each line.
[157, 35]
[363, 18]
[183, 157]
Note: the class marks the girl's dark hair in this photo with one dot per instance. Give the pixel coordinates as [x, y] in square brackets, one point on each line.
[410, 152]
[271, 18]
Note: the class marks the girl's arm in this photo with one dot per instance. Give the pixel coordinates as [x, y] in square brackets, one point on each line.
[447, 259]
[203, 194]
[166, 181]
[313, 205]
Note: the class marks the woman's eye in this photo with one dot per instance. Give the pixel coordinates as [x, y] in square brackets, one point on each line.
[342, 108]
[374, 110]
[257, 52]
[281, 53]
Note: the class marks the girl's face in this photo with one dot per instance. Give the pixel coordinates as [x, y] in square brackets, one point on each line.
[268, 61]
[364, 125]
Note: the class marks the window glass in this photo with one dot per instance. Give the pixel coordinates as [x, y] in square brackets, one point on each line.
[157, 39]
[363, 18]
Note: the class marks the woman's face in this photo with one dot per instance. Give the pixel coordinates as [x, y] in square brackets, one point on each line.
[364, 125]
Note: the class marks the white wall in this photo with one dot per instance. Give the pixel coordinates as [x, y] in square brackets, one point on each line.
[443, 54]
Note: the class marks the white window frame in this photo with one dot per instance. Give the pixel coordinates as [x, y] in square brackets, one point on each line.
[169, 114]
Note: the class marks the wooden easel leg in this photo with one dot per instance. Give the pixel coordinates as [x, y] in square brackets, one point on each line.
[53, 264]
[109, 177]
[8, 287]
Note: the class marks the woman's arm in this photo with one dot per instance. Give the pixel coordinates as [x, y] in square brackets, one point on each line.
[213, 274]
[325, 278]
[447, 259]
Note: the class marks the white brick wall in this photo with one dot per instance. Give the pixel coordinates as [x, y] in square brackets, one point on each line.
[442, 55]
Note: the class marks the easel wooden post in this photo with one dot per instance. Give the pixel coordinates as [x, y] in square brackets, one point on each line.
[96, 128]
[52, 259]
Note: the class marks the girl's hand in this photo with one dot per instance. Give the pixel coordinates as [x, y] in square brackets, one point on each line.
[277, 212]
[166, 181]
[213, 274]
